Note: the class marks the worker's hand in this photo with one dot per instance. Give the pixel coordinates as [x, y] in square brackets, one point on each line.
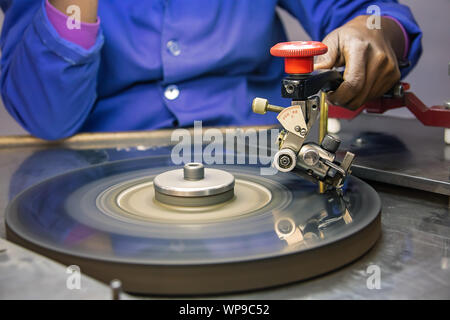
[370, 57]
[88, 8]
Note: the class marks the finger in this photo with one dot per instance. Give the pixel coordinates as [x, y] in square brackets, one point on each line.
[382, 74]
[354, 74]
[384, 83]
[375, 71]
[331, 58]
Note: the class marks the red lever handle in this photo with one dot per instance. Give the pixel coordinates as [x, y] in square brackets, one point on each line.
[298, 55]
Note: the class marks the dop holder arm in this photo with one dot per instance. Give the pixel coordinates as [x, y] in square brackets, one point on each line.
[313, 161]
[317, 162]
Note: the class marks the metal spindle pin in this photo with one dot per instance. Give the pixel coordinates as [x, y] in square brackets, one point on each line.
[194, 171]
[323, 127]
[116, 289]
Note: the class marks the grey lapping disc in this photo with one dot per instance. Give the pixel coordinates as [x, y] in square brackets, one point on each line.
[298, 234]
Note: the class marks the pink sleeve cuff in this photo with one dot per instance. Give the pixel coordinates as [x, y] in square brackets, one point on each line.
[405, 36]
[85, 36]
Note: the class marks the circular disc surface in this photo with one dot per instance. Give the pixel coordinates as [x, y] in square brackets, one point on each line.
[138, 202]
[92, 218]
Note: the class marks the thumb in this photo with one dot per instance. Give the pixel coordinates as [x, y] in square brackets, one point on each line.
[329, 59]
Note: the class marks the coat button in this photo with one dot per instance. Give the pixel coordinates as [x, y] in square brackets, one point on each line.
[172, 92]
[174, 47]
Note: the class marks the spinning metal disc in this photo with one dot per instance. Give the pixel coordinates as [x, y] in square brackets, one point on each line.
[194, 186]
[274, 230]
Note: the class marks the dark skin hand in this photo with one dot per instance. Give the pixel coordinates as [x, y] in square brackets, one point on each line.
[370, 57]
[88, 8]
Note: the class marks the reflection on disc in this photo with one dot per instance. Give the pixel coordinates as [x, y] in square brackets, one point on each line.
[276, 229]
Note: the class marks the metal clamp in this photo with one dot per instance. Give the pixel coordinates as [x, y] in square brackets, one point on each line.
[310, 159]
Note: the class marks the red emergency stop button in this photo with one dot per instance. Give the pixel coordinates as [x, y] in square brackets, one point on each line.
[298, 55]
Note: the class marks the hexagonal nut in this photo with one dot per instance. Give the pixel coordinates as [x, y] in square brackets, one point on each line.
[285, 160]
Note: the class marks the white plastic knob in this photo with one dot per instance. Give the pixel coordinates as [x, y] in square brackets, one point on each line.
[285, 160]
[447, 135]
[259, 105]
[334, 125]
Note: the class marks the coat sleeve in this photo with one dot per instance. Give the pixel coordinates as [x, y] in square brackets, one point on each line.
[320, 17]
[48, 84]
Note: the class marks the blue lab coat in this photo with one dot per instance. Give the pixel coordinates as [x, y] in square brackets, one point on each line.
[160, 63]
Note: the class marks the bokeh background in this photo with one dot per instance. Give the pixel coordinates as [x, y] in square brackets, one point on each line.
[430, 80]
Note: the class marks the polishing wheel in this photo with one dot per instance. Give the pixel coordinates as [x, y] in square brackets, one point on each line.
[169, 230]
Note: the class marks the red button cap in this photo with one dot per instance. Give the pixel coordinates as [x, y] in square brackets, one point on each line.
[298, 55]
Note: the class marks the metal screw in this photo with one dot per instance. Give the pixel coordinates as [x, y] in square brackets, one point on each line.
[285, 161]
[290, 88]
[116, 289]
[297, 128]
[303, 132]
[447, 104]
[399, 91]
[284, 226]
[359, 141]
